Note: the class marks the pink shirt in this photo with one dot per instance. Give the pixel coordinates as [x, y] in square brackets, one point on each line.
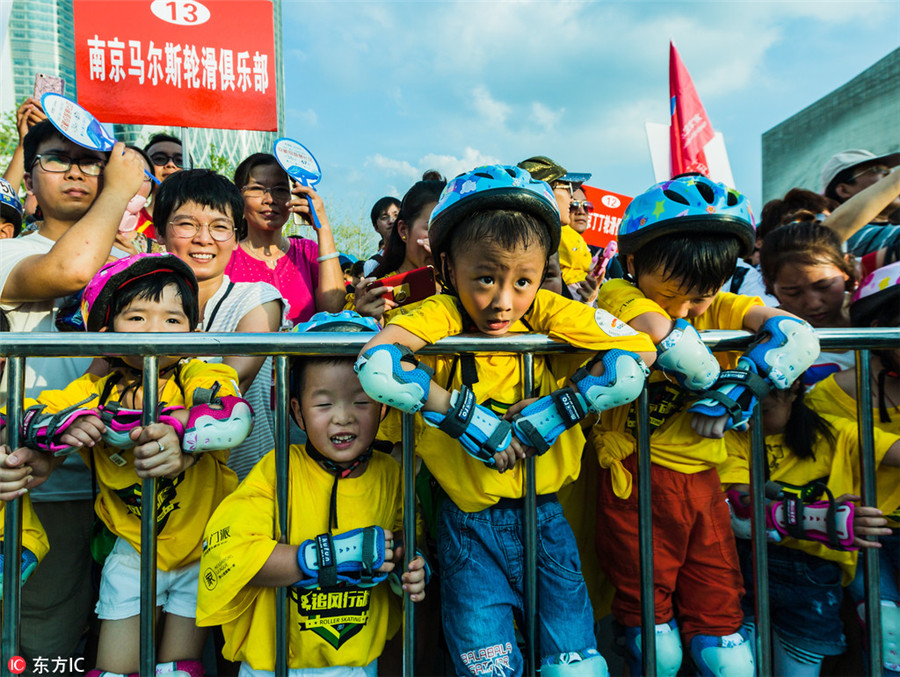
[295, 275]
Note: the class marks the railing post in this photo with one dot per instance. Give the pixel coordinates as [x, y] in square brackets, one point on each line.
[12, 528]
[871, 571]
[149, 415]
[758, 463]
[282, 422]
[645, 538]
[409, 540]
[530, 527]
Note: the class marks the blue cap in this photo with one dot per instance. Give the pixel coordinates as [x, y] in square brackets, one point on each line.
[9, 198]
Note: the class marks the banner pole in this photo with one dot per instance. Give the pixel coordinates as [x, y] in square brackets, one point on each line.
[186, 149]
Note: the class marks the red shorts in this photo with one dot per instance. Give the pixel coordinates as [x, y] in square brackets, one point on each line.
[696, 575]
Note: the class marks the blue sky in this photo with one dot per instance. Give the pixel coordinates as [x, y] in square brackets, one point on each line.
[382, 91]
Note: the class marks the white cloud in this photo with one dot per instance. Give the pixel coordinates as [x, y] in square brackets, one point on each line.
[401, 167]
[491, 111]
[545, 116]
[450, 165]
[306, 118]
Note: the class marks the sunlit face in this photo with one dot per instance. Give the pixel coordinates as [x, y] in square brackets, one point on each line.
[206, 257]
[496, 286]
[337, 415]
[670, 294]
[67, 195]
[563, 194]
[416, 254]
[814, 292]
[580, 218]
[270, 211]
[170, 154]
[160, 316]
[386, 221]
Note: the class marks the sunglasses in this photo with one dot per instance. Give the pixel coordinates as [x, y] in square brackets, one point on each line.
[586, 205]
[162, 159]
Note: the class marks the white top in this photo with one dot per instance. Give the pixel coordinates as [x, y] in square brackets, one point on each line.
[71, 481]
[241, 299]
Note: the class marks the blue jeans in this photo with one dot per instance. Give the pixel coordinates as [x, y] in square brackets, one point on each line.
[482, 560]
[889, 571]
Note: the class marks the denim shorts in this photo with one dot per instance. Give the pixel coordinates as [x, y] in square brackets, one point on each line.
[482, 567]
[804, 598]
[888, 569]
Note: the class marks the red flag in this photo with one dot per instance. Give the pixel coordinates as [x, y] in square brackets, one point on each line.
[690, 129]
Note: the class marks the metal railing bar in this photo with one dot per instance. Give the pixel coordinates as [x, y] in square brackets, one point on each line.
[645, 538]
[149, 415]
[282, 423]
[529, 525]
[409, 539]
[758, 462]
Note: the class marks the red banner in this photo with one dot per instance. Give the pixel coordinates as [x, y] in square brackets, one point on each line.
[177, 63]
[691, 129]
[606, 217]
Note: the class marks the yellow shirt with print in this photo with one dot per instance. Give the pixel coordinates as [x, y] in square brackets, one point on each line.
[836, 466]
[673, 444]
[470, 484]
[183, 503]
[828, 398]
[574, 256]
[34, 537]
[341, 627]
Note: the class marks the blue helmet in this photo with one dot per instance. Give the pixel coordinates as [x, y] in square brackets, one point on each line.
[346, 321]
[686, 205]
[8, 199]
[492, 187]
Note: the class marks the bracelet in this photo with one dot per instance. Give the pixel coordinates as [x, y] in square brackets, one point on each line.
[328, 257]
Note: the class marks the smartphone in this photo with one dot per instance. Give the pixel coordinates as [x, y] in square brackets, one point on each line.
[609, 251]
[409, 287]
[48, 83]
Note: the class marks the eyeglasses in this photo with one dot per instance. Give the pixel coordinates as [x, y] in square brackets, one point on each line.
[220, 231]
[278, 193]
[387, 218]
[57, 163]
[875, 169]
[162, 159]
[587, 206]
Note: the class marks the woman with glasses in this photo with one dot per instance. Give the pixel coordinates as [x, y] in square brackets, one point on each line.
[307, 273]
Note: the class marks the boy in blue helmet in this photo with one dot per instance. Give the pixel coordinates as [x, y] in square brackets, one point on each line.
[344, 502]
[492, 233]
[10, 211]
[680, 241]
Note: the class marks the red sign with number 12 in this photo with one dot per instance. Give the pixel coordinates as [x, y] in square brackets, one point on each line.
[179, 63]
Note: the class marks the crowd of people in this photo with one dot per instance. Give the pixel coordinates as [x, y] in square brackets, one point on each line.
[96, 245]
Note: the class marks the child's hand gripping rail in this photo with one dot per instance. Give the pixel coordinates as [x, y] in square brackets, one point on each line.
[352, 557]
[540, 423]
[785, 348]
[481, 433]
[43, 431]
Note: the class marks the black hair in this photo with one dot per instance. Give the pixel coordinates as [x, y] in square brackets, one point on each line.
[9, 213]
[698, 261]
[248, 164]
[35, 137]
[381, 205]
[805, 427]
[151, 287]
[505, 227]
[204, 187]
[4, 321]
[299, 363]
[421, 194]
[162, 138]
[843, 176]
[804, 243]
[433, 175]
[356, 268]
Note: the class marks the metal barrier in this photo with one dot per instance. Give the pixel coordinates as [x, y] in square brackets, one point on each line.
[19, 346]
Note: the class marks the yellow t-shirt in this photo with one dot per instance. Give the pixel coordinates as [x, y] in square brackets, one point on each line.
[673, 444]
[470, 484]
[828, 398]
[342, 627]
[837, 466]
[33, 535]
[574, 256]
[183, 503]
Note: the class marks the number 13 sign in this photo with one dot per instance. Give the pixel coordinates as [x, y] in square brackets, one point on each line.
[180, 63]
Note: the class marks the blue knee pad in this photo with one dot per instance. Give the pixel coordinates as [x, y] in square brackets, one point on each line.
[683, 356]
[29, 564]
[576, 664]
[668, 650]
[540, 423]
[384, 379]
[788, 346]
[890, 635]
[479, 430]
[728, 656]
